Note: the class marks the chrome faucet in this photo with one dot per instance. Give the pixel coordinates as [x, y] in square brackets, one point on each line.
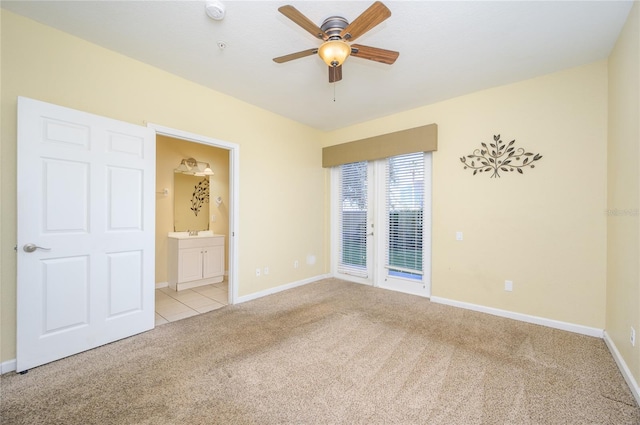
[193, 232]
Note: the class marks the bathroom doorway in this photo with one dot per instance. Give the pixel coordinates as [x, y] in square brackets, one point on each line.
[219, 208]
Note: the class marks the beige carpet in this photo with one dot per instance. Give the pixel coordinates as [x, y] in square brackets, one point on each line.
[331, 352]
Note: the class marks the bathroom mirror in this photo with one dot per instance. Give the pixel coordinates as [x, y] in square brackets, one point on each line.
[191, 202]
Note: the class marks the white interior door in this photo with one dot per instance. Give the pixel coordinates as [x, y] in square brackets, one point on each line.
[86, 231]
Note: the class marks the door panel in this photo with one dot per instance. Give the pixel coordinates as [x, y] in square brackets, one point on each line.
[381, 222]
[213, 257]
[66, 189]
[124, 197]
[86, 191]
[65, 293]
[74, 135]
[126, 286]
[190, 264]
[354, 221]
[407, 224]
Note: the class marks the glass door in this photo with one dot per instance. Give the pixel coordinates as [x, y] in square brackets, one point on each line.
[354, 222]
[405, 240]
[382, 222]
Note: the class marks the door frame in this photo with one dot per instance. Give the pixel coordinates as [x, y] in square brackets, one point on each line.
[234, 193]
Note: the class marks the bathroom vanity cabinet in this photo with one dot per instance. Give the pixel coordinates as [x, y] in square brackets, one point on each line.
[195, 261]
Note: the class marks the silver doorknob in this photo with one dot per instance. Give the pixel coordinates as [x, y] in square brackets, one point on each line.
[30, 247]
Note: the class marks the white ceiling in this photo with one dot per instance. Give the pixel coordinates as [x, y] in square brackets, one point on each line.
[447, 48]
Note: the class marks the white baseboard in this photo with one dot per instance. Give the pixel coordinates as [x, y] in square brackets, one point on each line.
[556, 324]
[277, 289]
[8, 366]
[622, 365]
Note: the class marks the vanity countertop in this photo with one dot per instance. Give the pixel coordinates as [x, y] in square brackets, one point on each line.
[185, 235]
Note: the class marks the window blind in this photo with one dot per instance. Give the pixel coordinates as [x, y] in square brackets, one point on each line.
[353, 219]
[404, 215]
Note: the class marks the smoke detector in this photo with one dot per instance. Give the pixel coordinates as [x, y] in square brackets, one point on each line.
[215, 10]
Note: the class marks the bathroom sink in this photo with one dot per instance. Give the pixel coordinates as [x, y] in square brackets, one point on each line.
[185, 235]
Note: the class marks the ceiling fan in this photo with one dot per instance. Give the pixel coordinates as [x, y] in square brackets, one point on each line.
[336, 31]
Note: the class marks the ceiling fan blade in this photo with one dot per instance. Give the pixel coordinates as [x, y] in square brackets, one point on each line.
[297, 55]
[375, 14]
[374, 54]
[297, 17]
[335, 73]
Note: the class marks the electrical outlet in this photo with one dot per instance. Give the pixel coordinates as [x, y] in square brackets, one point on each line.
[508, 285]
[266, 271]
[633, 337]
[258, 272]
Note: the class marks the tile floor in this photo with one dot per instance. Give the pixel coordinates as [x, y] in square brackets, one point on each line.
[172, 305]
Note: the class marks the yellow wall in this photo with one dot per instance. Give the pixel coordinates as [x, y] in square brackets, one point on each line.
[169, 153]
[280, 174]
[545, 229]
[623, 252]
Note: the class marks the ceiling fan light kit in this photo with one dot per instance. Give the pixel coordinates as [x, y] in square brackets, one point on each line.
[334, 52]
[336, 31]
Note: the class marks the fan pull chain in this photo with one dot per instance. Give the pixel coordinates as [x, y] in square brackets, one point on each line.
[334, 91]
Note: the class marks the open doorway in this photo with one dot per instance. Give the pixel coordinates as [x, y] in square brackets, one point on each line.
[216, 216]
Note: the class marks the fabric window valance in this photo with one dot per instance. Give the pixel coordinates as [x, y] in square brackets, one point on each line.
[419, 139]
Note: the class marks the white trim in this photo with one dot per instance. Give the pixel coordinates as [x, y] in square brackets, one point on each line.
[556, 324]
[622, 365]
[8, 366]
[160, 285]
[280, 288]
[234, 195]
[333, 220]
